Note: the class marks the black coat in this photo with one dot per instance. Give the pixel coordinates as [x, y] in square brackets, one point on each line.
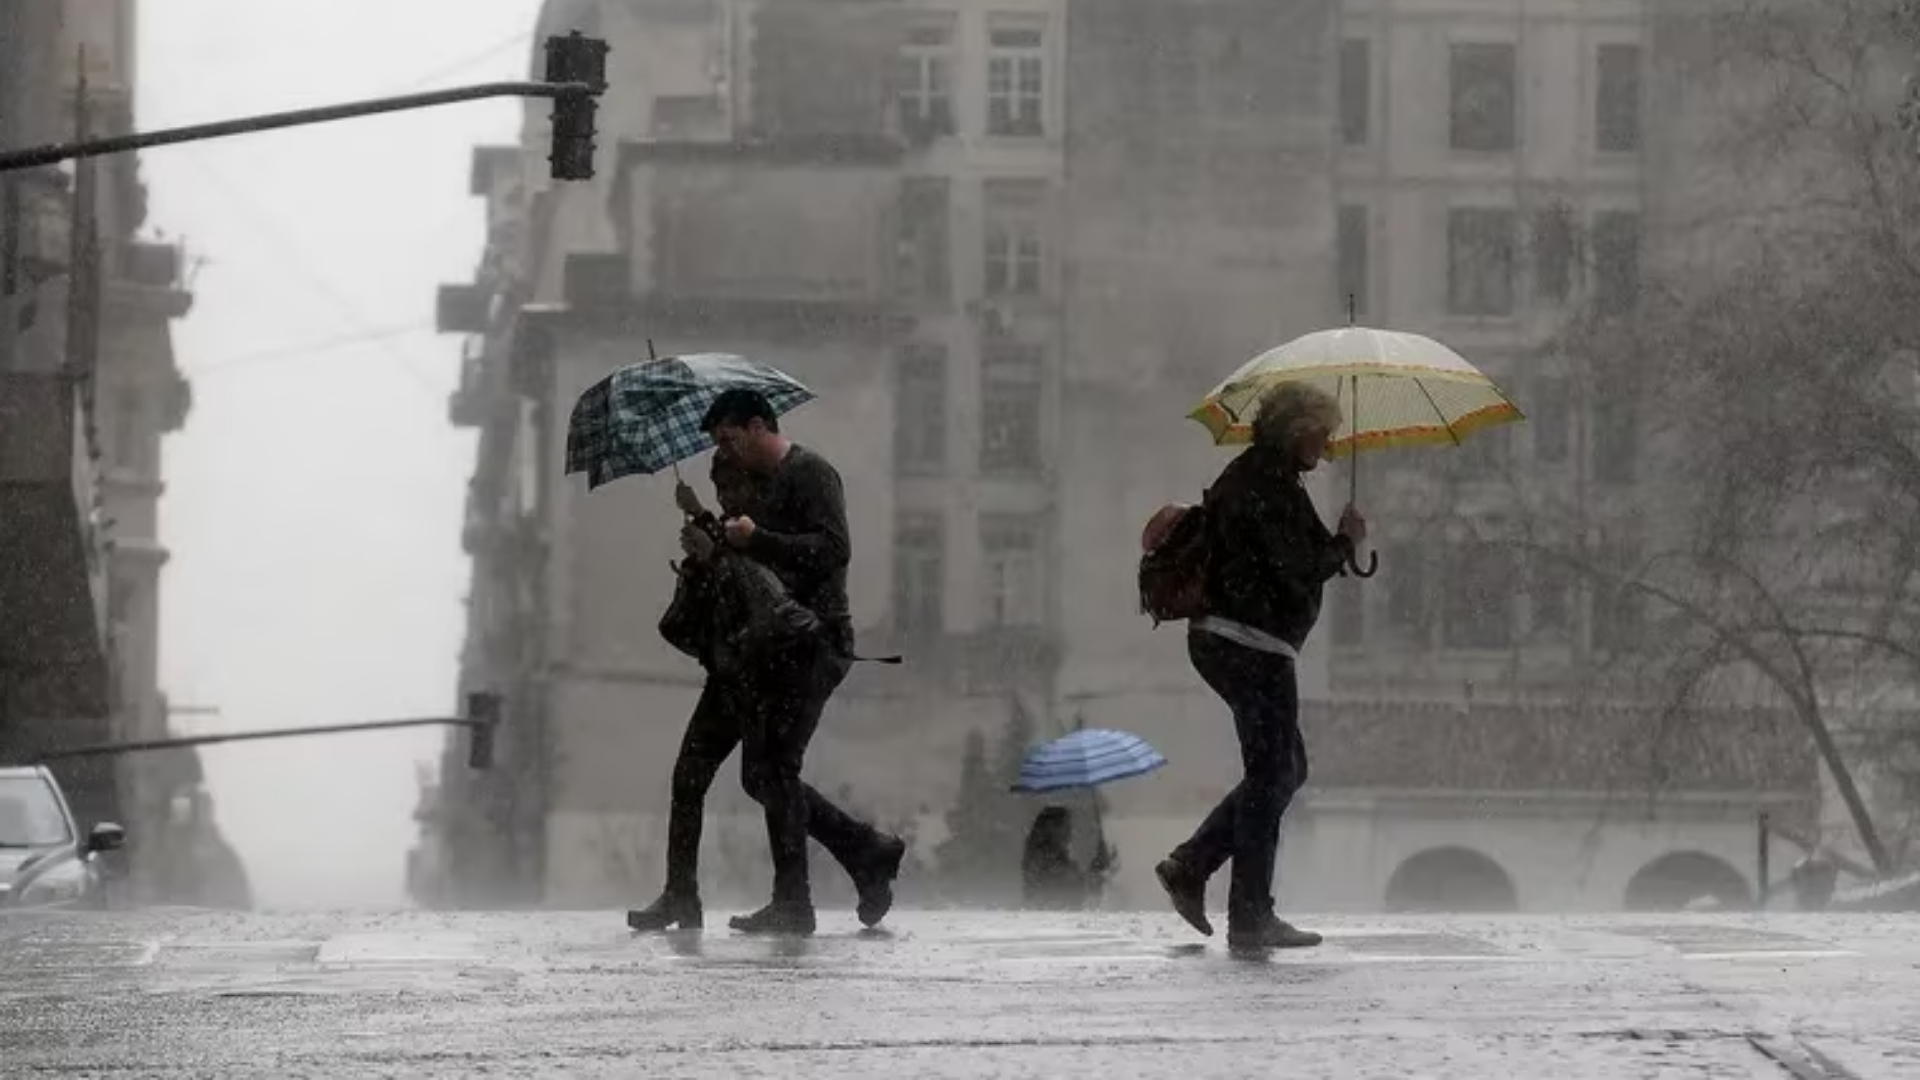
[1268, 552]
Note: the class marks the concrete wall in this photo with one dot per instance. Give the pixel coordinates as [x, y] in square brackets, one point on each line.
[1340, 850]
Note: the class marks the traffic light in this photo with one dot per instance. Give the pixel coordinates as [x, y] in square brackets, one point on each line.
[483, 716]
[575, 59]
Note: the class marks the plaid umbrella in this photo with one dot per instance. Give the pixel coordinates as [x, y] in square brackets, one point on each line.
[646, 417]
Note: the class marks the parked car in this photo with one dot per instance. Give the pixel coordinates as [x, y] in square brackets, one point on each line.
[44, 860]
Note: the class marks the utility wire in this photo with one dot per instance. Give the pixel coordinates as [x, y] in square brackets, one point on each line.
[306, 349]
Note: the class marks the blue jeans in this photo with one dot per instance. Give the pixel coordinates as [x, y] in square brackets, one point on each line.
[1264, 695]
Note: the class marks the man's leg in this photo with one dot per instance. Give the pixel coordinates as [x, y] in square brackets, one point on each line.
[778, 724]
[712, 733]
[870, 857]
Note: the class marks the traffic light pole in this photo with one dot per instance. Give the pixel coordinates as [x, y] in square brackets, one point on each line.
[36, 157]
[483, 716]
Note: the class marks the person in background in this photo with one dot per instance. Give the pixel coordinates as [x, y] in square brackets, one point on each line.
[1051, 879]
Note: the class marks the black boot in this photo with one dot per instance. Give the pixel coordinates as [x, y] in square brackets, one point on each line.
[875, 880]
[1187, 890]
[1270, 933]
[791, 919]
[671, 910]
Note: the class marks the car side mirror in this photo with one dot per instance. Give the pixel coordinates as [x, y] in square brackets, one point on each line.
[106, 836]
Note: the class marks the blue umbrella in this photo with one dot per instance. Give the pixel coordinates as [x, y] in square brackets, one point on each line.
[646, 417]
[1087, 758]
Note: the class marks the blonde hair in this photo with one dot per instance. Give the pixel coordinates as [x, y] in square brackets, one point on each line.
[1291, 408]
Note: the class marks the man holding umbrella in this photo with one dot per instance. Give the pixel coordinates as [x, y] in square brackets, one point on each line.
[1267, 557]
[801, 534]
[651, 416]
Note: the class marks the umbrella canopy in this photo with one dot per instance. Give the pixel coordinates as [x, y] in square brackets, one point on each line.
[1397, 389]
[646, 416]
[1087, 758]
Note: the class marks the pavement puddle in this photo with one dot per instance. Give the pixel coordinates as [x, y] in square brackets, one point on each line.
[1709, 942]
[394, 948]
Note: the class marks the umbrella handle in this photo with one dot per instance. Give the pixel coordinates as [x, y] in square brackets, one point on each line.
[1373, 565]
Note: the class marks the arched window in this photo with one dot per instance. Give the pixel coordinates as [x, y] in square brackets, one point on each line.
[1676, 879]
[1452, 879]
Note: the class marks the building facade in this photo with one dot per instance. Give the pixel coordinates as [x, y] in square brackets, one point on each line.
[1010, 244]
[93, 388]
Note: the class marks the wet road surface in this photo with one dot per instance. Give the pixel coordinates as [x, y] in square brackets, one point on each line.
[416, 994]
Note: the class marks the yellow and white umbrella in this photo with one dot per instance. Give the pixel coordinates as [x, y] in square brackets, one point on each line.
[1396, 389]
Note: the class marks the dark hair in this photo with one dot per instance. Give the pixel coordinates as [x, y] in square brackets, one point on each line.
[736, 408]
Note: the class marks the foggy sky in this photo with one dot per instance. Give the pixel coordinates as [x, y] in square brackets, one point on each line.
[314, 499]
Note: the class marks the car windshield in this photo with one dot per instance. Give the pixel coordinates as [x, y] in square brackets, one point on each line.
[30, 813]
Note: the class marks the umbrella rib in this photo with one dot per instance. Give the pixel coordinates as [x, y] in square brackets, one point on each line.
[1437, 411]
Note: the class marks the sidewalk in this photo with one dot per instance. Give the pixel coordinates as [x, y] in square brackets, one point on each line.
[960, 995]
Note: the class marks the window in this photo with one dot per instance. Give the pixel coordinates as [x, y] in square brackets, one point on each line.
[1549, 417]
[1476, 612]
[32, 815]
[1016, 80]
[1616, 122]
[919, 574]
[923, 83]
[1010, 549]
[923, 259]
[1349, 613]
[1553, 251]
[1480, 262]
[1616, 261]
[1010, 389]
[1483, 102]
[1014, 253]
[1353, 258]
[1616, 435]
[1356, 90]
[1549, 595]
[920, 409]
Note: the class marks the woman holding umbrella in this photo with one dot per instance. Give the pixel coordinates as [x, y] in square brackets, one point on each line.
[1267, 557]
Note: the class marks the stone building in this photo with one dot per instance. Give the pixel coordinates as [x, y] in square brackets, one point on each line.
[1010, 244]
[92, 388]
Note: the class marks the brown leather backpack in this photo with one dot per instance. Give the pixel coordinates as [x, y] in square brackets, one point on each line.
[1173, 563]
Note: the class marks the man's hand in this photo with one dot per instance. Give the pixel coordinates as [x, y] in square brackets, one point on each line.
[740, 531]
[1353, 526]
[695, 542]
[687, 499]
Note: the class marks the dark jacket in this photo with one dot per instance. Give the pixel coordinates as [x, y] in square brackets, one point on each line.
[1268, 552]
[800, 531]
[732, 613]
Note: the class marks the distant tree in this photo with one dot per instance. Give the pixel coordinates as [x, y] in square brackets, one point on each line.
[980, 859]
[1769, 546]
